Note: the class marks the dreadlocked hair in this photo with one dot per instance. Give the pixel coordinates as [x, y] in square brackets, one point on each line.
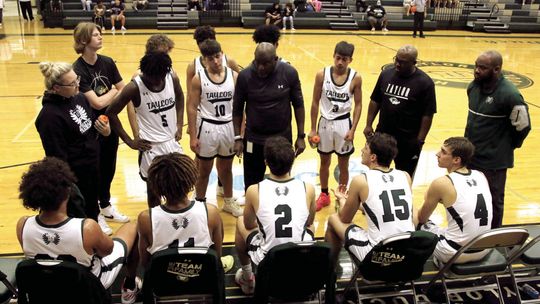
[156, 65]
[172, 176]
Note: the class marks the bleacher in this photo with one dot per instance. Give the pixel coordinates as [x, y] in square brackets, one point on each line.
[74, 14]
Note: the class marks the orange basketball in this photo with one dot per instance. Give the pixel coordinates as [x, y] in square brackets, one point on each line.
[413, 9]
[103, 118]
[315, 139]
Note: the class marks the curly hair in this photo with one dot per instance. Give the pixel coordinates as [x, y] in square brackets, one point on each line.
[172, 176]
[204, 32]
[159, 42]
[266, 33]
[46, 184]
[156, 65]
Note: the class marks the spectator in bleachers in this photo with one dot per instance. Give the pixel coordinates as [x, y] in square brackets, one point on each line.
[99, 13]
[194, 5]
[361, 6]
[117, 14]
[407, 7]
[310, 6]
[270, 203]
[178, 222]
[288, 12]
[317, 5]
[87, 5]
[272, 14]
[45, 188]
[377, 16]
[382, 193]
[465, 195]
[140, 5]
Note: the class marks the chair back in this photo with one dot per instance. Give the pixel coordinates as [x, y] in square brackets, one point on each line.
[399, 258]
[500, 237]
[184, 272]
[295, 271]
[54, 281]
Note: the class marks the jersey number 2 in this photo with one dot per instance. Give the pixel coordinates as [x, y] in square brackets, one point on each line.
[285, 219]
[402, 213]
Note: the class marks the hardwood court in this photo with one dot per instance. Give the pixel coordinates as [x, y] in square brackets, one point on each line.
[447, 56]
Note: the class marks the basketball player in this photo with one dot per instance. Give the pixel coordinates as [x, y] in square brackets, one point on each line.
[268, 33]
[179, 222]
[51, 234]
[259, 230]
[201, 34]
[159, 102]
[383, 193]
[465, 195]
[334, 89]
[212, 135]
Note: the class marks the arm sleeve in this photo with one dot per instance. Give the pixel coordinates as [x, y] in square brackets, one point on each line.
[297, 99]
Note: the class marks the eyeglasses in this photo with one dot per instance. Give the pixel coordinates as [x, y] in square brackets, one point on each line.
[73, 84]
[401, 61]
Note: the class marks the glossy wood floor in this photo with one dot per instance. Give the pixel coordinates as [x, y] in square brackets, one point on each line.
[446, 56]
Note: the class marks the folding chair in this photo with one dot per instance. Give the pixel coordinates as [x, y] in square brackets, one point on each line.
[393, 263]
[7, 276]
[184, 275]
[509, 240]
[296, 272]
[530, 255]
[54, 281]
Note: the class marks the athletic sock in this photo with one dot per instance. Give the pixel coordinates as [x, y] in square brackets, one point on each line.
[201, 199]
[324, 190]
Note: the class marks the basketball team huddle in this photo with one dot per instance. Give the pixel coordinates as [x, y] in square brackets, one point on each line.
[248, 113]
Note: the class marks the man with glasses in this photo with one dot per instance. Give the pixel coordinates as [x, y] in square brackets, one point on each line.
[405, 98]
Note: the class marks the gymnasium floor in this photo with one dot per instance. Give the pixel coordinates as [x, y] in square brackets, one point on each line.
[447, 56]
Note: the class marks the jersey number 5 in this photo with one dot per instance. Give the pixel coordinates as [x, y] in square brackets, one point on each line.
[285, 219]
[400, 208]
[164, 120]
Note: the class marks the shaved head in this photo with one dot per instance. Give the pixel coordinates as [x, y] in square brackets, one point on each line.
[265, 49]
[408, 50]
[265, 59]
[405, 60]
[494, 57]
[488, 67]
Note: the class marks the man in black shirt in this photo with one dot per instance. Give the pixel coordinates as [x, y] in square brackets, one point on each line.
[405, 98]
[266, 89]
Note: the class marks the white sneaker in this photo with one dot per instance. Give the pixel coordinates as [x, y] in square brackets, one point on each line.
[373, 29]
[113, 29]
[230, 206]
[103, 224]
[219, 190]
[123, 29]
[293, 29]
[241, 201]
[111, 214]
[247, 286]
[384, 29]
[130, 296]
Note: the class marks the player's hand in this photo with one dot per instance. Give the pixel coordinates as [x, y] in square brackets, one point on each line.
[341, 192]
[194, 144]
[140, 144]
[238, 147]
[299, 146]
[311, 134]
[368, 131]
[102, 127]
[349, 136]
[178, 134]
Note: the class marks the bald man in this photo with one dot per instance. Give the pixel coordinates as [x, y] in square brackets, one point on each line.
[265, 91]
[404, 98]
[498, 122]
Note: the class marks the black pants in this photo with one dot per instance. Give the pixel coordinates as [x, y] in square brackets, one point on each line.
[408, 155]
[419, 23]
[254, 166]
[88, 183]
[497, 182]
[1, 14]
[26, 7]
[108, 150]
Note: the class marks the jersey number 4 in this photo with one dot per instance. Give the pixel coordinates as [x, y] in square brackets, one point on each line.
[282, 221]
[480, 212]
[400, 206]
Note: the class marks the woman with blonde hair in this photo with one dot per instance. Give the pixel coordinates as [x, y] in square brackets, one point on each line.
[69, 130]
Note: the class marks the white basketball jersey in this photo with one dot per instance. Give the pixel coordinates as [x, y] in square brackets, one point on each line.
[199, 65]
[282, 213]
[388, 207]
[156, 115]
[472, 211]
[216, 98]
[182, 228]
[63, 241]
[336, 100]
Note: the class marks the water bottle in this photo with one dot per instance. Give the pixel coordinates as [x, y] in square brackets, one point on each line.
[530, 291]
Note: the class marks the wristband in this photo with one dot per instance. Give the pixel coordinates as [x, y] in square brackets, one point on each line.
[238, 137]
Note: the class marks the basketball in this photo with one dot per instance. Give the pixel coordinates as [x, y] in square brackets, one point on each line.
[413, 9]
[103, 118]
[315, 139]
